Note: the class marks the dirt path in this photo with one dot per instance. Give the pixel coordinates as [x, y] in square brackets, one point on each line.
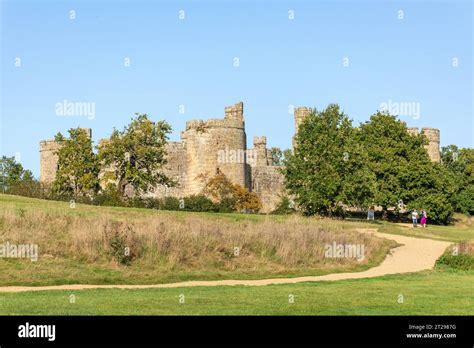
[414, 255]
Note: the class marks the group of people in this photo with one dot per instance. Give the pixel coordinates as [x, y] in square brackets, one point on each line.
[415, 215]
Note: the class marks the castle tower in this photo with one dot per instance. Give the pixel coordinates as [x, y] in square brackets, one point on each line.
[216, 145]
[49, 158]
[413, 130]
[300, 114]
[260, 151]
[432, 134]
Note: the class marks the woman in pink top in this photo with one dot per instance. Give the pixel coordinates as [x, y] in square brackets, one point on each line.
[424, 217]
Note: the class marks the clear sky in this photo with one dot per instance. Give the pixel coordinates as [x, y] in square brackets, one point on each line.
[359, 54]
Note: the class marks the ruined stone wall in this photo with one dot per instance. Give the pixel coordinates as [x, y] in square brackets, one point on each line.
[432, 148]
[432, 134]
[213, 145]
[206, 141]
[268, 184]
[175, 169]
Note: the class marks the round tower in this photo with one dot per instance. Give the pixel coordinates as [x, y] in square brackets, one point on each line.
[48, 160]
[300, 114]
[213, 146]
[433, 136]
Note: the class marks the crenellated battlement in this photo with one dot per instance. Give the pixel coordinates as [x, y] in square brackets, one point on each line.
[217, 145]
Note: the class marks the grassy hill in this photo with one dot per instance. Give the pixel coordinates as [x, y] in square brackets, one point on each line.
[86, 244]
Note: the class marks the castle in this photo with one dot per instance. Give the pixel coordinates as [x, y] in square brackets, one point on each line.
[219, 145]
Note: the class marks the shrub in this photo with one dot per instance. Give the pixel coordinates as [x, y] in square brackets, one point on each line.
[109, 197]
[245, 200]
[285, 206]
[463, 259]
[199, 203]
[119, 243]
[170, 203]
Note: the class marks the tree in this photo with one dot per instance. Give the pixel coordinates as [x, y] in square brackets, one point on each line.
[328, 167]
[78, 166]
[230, 196]
[13, 173]
[245, 200]
[405, 175]
[278, 156]
[397, 159]
[460, 164]
[137, 154]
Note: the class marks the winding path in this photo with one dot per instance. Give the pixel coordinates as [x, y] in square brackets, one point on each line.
[414, 255]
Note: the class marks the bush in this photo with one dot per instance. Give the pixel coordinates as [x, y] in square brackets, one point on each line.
[109, 197]
[285, 206]
[120, 243]
[199, 203]
[463, 262]
[33, 189]
[170, 203]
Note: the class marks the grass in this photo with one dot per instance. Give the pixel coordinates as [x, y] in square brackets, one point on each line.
[85, 245]
[461, 230]
[425, 293]
[442, 291]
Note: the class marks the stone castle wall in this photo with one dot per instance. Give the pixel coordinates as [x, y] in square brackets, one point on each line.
[433, 136]
[219, 145]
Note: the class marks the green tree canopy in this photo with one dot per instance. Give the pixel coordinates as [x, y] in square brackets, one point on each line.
[12, 173]
[137, 154]
[328, 167]
[78, 166]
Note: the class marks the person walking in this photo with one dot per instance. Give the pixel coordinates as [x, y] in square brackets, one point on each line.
[414, 217]
[424, 217]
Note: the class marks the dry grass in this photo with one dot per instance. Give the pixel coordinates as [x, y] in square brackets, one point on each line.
[191, 242]
[76, 247]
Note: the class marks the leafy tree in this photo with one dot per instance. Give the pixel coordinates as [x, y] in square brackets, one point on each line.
[229, 196]
[137, 154]
[397, 159]
[278, 156]
[245, 200]
[328, 167]
[219, 188]
[13, 173]
[78, 166]
[460, 163]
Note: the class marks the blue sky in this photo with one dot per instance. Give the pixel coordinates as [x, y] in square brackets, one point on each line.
[358, 54]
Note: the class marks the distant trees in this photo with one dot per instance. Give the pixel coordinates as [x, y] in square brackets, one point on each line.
[12, 174]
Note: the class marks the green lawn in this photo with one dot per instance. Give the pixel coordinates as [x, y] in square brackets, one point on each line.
[426, 293]
[442, 291]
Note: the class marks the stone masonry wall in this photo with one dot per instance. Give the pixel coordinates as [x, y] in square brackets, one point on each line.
[220, 144]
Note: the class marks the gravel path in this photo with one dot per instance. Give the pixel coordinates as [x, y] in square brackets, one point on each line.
[414, 255]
